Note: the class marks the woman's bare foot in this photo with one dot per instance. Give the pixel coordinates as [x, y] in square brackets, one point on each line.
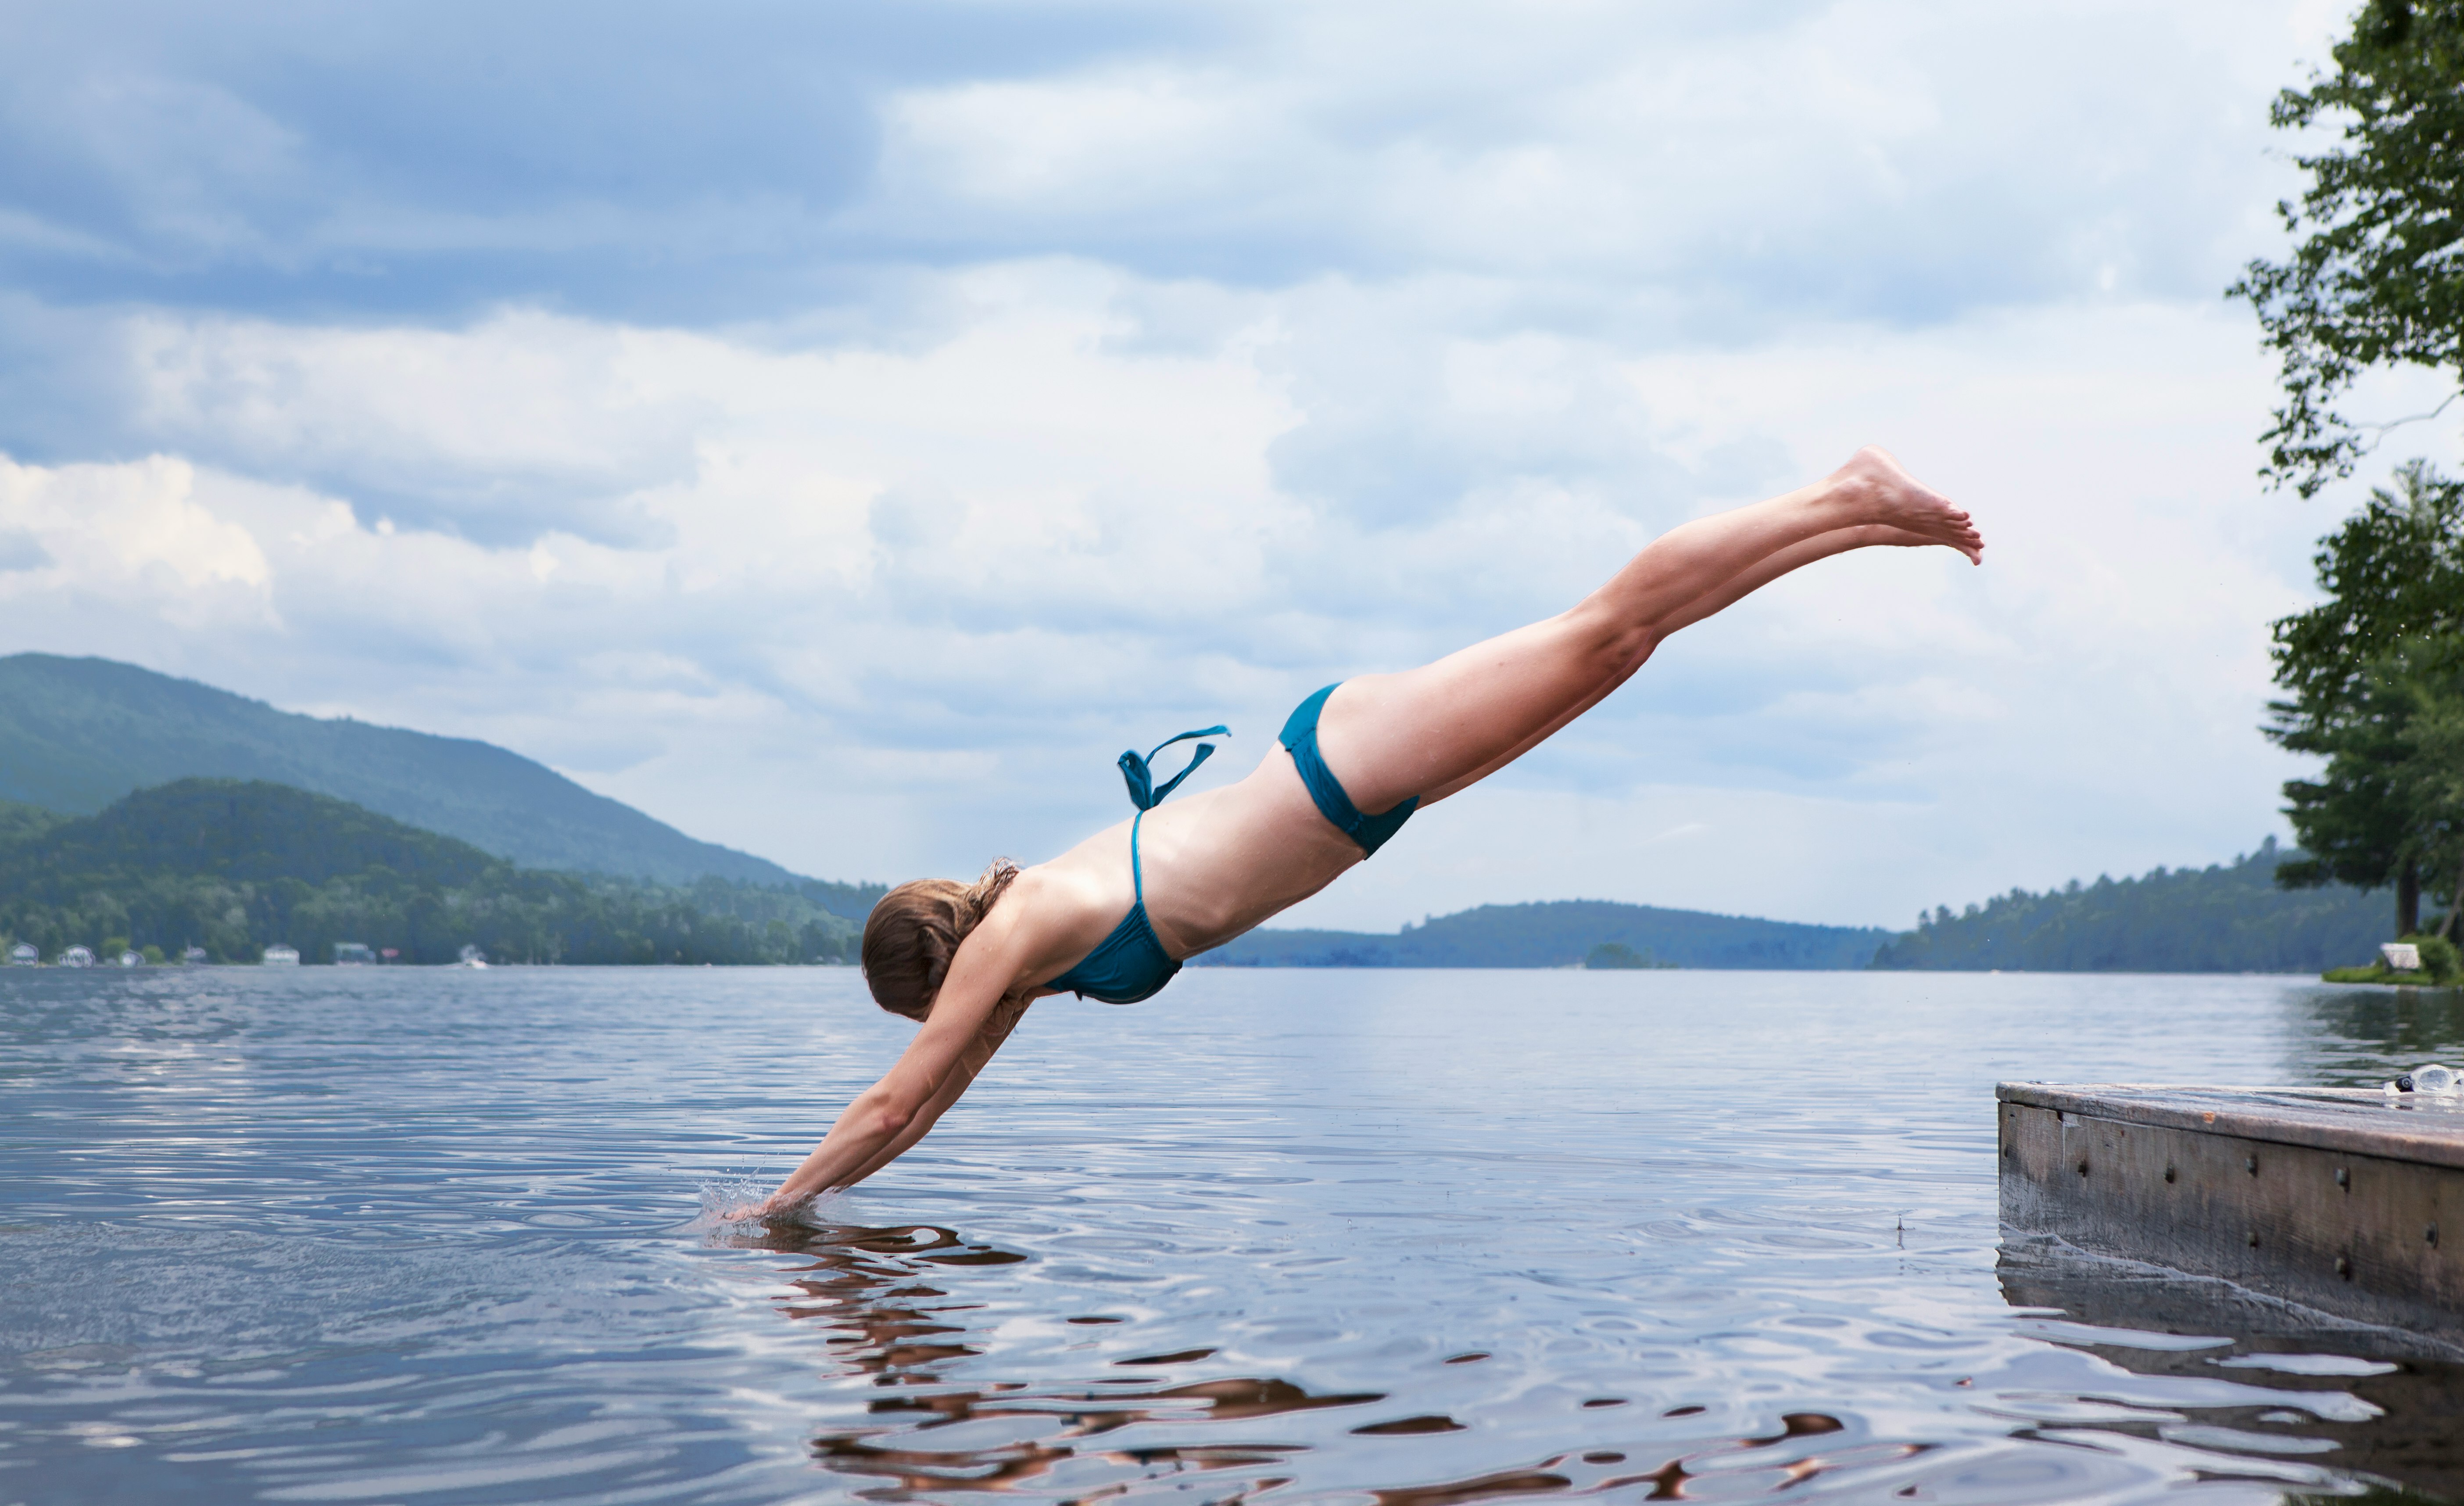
[1888, 536]
[1878, 492]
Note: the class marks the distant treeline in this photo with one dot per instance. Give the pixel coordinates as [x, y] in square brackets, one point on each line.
[2225, 917]
[234, 867]
[1561, 934]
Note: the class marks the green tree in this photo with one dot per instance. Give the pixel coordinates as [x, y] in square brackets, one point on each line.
[2379, 279]
[2430, 770]
[2369, 675]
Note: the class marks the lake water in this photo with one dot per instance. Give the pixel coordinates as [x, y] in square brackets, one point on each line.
[1403, 1238]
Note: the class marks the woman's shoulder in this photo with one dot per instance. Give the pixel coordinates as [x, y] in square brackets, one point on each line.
[1088, 868]
[1064, 884]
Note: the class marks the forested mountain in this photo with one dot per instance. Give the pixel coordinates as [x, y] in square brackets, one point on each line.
[78, 734]
[1560, 935]
[232, 866]
[235, 865]
[2225, 917]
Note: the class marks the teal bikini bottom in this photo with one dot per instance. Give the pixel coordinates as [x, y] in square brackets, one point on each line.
[1130, 963]
[1300, 735]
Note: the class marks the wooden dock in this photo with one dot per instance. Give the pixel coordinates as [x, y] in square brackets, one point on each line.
[2343, 1199]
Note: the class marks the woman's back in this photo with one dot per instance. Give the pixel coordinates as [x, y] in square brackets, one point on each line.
[1213, 865]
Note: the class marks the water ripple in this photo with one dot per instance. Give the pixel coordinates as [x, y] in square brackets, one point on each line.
[1410, 1239]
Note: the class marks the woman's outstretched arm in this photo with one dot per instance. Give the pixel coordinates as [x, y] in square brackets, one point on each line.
[970, 1066]
[930, 1074]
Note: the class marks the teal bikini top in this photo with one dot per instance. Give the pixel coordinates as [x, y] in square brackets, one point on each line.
[1131, 964]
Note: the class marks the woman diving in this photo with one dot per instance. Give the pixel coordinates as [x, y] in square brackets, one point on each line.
[1355, 762]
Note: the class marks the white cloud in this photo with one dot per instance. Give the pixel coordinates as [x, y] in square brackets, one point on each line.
[906, 602]
[128, 539]
[527, 421]
[1158, 385]
[1717, 169]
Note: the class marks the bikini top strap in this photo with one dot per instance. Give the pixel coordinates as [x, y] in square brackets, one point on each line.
[1137, 879]
[1140, 778]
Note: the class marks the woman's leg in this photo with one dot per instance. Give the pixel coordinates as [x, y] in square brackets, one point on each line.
[1837, 541]
[1432, 731]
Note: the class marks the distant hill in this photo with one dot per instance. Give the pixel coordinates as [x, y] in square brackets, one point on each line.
[78, 734]
[239, 830]
[1560, 935]
[232, 866]
[2225, 917]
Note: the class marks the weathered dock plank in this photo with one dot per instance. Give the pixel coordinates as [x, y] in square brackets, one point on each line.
[2344, 1200]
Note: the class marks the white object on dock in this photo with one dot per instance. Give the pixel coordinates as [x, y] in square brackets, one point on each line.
[2432, 1079]
[2403, 956]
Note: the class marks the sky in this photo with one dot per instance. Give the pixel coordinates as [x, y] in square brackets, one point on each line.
[840, 429]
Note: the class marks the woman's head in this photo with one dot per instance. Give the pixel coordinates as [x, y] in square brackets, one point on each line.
[914, 931]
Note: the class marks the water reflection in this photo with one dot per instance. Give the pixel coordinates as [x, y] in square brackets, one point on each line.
[2268, 1394]
[2278, 1378]
[937, 1436]
[2361, 1035]
[354, 1234]
[896, 1329]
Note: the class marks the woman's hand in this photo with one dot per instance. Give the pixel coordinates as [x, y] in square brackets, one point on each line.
[748, 1210]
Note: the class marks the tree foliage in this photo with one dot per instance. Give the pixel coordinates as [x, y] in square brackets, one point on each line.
[2428, 771]
[2374, 682]
[18, 821]
[2221, 918]
[2378, 279]
[232, 866]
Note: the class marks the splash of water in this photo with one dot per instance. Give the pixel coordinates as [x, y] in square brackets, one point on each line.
[730, 1202]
